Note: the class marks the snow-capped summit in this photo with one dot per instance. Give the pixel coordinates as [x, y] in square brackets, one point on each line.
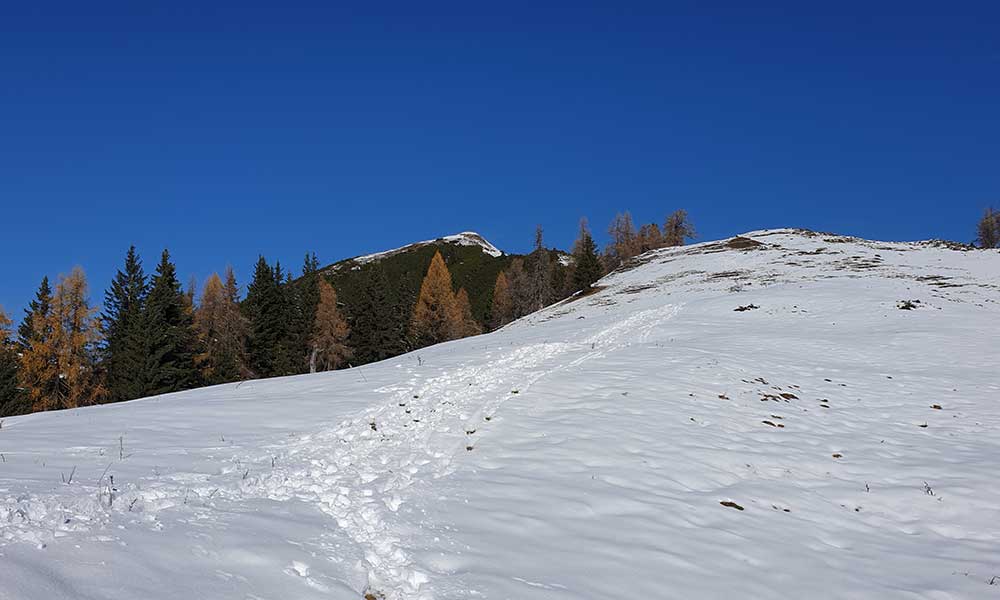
[465, 238]
[781, 414]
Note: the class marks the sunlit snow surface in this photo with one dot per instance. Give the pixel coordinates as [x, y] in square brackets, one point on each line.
[605, 433]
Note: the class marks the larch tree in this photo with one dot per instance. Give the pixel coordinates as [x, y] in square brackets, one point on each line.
[540, 292]
[220, 329]
[624, 242]
[378, 325]
[173, 340]
[502, 306]
[649, 238]
[39, 366]
[467, 323]
[435, 318]
[126, 340]
[519, 283]
[13, 400]
[988, 230]
[329, 332]
[75, 337]
[678, 228]
[586, 264]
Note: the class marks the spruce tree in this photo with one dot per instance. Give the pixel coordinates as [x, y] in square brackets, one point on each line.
[13, 400]
[307, 291]
[169, 322]
[435, 318]
[586, 264]
[329, 333]
[378, 325]
[41, 305]
[126, 338]
[266, 309]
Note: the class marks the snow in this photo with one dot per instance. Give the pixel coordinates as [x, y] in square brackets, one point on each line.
[465, 238]
[582, 452]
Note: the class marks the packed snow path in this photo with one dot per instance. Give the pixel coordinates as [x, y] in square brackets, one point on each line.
[785, 414]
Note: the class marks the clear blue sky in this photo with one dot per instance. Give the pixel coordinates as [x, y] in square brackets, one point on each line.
[226, 129]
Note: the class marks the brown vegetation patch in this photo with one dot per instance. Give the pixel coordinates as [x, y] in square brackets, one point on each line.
[731, 504]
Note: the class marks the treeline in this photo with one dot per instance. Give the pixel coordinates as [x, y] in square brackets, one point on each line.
[151, 337]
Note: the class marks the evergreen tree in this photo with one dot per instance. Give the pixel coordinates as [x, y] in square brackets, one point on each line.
[677, 229]
[435, 318]
[378, 325]
[221, 331]
[126, 339]
[330, 332]
[988, 230]
[586, 265]
[41, 305]
[13, 400]
[502, 307]
[467, 324]
[308, 300]
[271, 347]
[170, 327]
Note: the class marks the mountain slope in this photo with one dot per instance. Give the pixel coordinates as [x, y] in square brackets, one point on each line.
[645, 441]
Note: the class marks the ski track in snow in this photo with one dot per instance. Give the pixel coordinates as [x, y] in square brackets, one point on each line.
[377, 457]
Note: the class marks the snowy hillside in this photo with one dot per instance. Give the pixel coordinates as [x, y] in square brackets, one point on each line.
[780, 415]
[466, 238]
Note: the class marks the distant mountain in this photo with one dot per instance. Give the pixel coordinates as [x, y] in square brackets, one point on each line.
[473, 261]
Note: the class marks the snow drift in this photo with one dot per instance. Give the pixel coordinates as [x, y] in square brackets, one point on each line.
[782, 414]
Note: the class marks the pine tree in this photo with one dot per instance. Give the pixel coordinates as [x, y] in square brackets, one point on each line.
[126, 339]
[677, 229]
[306, 294]
[467, 324]
[988, 230]
[221, 331]
[586, 264]
[13, 400]
[330, 333]
[170, 327]
[378, 325]
[502, 306]
[435, 318]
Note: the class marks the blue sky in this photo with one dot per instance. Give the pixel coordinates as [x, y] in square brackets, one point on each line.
[226, 131]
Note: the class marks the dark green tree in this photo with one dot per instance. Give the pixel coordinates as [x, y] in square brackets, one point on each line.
[170, 362]
[378, 326]
[269, 311]
[41, 306]
[13, 400]
[586, 263]
[127, 341]
[307, 295]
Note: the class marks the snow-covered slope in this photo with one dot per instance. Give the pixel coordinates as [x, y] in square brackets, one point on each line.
[466, 238]
[645, 441]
